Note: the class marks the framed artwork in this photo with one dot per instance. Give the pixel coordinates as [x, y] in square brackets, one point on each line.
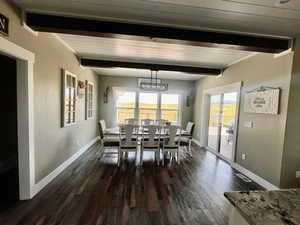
[89, 100]
[265, 101]
[68, 104]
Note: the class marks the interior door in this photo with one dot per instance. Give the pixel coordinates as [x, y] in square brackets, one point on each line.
[9, 188]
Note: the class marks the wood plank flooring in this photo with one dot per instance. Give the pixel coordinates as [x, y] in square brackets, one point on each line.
[95, 191]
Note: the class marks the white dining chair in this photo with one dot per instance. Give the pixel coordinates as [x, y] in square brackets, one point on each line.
[150, 142]
[162, 122]
[131, 121]
[147, 122]
[128, 141]
[186, 139]
[103, 125]
[171, 143]
[107, 141]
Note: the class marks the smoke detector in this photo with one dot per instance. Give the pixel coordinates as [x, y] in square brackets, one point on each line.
[281, 2]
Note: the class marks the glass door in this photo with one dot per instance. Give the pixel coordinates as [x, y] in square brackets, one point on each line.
[221, 124]
[214, 122]
[228, 125]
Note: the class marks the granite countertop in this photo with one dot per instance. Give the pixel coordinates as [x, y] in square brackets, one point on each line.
[280, 207]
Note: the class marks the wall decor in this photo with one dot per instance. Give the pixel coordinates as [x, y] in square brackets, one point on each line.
[81, 89]
[262, 100]
[106, 94]
[69, 101]
[4, 25]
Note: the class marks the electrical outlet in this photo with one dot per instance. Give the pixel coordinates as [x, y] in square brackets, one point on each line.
[297, 174]
[243, 156]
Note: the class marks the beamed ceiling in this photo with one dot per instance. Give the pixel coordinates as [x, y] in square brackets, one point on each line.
[257, 17]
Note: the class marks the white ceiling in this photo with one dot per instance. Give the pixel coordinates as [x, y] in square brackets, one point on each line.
[143, 51]
[150, 52]
[255, 16]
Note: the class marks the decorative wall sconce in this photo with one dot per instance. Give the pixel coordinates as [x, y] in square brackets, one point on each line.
[106, 94]
[189, 101]
[81, 89]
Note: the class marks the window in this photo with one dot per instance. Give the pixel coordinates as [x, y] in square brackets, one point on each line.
[126, 104]
[89, 100]
[69, 98]
[148, 105]
[170, 108]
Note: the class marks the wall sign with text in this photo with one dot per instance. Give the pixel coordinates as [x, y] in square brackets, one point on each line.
[4, 25]
[262, 102]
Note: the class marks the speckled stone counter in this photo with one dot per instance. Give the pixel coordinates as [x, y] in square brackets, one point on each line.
[268, 207]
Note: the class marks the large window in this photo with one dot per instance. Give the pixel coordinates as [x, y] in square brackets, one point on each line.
[170, 107]
[126, 105]
[147, 105]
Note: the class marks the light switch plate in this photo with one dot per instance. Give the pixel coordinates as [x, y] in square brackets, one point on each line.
[297, 174]
[243, 156]
[248, 124]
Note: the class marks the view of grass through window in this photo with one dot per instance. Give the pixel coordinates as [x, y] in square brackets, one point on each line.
[149, 106]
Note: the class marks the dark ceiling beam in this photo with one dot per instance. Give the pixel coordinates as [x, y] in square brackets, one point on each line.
[81, 26]
[147, 66]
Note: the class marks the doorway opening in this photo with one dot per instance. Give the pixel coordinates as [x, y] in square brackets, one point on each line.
[221, 107]
[9, 168]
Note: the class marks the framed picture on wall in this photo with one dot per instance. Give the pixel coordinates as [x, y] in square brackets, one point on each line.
[68, 103]
[89, 100]
[262, 101]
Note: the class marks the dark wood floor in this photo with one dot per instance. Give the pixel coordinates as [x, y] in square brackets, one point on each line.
[93, 192]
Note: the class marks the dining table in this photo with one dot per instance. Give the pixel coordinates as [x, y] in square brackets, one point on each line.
[140, 131]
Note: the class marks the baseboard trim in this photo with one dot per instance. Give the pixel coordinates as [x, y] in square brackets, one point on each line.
[259, 180]
[196, 142]
[46, 180]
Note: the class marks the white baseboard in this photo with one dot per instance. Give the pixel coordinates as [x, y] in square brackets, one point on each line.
[46, 180]
[259, 180]
[196, 142]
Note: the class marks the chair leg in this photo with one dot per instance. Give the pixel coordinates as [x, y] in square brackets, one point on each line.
[141, 156]
[190, 147]
[163, 157]
[119, 157]
[171, 159]
[135, 158]
[157, 157]
[178, 160]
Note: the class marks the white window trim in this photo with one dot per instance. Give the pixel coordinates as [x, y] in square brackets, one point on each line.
[87, 100]
[138, 91]
[66, 73]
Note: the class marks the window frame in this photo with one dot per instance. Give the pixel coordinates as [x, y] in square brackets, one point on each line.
[64, 123]
[87, 100]
[180, 103]
[137, 108]
[154, 109]
[115, 103]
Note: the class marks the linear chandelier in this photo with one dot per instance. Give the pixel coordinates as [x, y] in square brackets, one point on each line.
[153, 83]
